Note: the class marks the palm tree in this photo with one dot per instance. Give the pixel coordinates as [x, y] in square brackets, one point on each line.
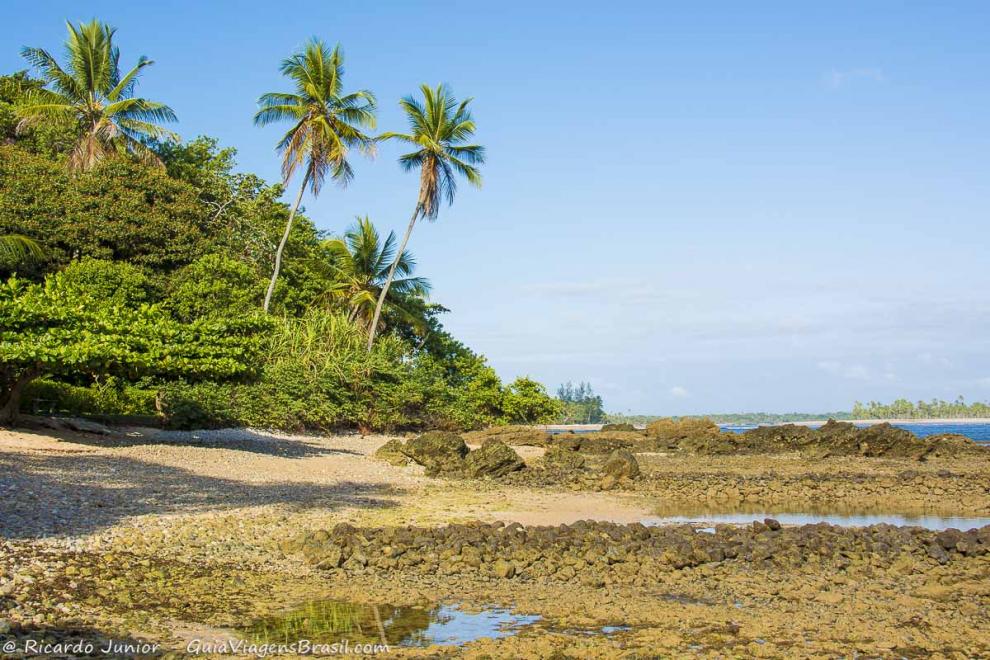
[439, 128]
[91, 94]
[326, 124]
[361, 263]
[16, 248]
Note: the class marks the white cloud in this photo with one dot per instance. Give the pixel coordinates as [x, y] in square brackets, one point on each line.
[835, 78]
[678, 392]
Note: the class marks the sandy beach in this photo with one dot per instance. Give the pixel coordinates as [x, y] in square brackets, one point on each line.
[163, 533]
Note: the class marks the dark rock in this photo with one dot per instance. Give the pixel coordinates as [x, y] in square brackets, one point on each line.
[392, 452]
[493, 459]
[565, 458]
[438, 451]
[621, 464]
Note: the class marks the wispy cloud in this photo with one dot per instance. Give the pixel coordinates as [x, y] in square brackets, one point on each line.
[679, 392]
[836, 78]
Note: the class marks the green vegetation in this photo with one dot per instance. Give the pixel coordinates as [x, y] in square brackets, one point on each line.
[325, 124]
[91, 96]
[138, 269]
[936, 408]
[439, 127]
[579, 404]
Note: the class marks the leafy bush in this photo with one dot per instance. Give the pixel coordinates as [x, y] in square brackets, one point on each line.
[55, 329]
[109, 282]
[214, 285]
[109, 396]
[527, 402]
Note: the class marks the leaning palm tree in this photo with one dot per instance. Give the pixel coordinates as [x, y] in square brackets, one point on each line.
[326, 124]
[440, 126]
[91, 95]
[361, 262]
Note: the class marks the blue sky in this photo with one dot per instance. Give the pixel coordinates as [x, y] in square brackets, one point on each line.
[719, 207]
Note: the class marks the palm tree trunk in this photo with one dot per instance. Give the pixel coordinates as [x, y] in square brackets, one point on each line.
[391, 274]
[281, 244]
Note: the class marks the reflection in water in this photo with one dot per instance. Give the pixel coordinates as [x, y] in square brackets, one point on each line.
[329, 621]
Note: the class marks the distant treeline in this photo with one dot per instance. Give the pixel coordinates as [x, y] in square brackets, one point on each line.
[737, 418]
[904, 409]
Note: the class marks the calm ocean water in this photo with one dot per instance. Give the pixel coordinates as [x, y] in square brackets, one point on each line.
[978, 432]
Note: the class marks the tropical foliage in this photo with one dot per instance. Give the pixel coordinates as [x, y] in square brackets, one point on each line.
[440, 131]
[60, 329]
[326, 125]
[579, 404]
[361, 261]
[93, 95]
[143, 263]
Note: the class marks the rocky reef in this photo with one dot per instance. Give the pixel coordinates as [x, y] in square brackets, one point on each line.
[597, 553]
[704, 437]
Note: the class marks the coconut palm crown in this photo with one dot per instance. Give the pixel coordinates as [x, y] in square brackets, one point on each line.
[326, 124]
[91, 93]
[361, 262]
[440, 130]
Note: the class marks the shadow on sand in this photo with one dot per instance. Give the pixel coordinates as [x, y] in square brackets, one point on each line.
[45, 495]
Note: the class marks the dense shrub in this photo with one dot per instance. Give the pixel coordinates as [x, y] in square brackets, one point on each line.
[109, 396]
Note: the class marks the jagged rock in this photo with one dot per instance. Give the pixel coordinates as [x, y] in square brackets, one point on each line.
[504, 569]
[392, 452]
[607, 442]
[493, 459]
[438, 451]
[511, 435]
[621, 464]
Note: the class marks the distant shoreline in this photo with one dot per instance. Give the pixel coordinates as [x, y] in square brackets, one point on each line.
[927, 420]
[809, 422]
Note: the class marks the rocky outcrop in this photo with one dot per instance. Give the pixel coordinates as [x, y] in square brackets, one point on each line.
[438, 451]
[562, 456]
[621, 465]
[845, 439]
[493, 459]
[602, 442]
[511, 435]
[392, 452]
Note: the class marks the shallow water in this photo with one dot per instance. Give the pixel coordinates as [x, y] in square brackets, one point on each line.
[976, 431]
[807, 518]
[330, 621]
